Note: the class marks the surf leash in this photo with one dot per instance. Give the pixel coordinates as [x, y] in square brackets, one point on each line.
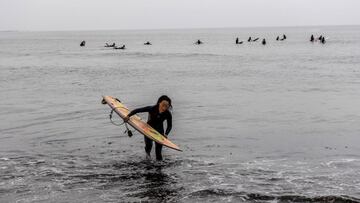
[128, 131]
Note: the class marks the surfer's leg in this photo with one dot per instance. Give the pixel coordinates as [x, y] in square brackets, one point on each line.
[158, 148]
[148, 145]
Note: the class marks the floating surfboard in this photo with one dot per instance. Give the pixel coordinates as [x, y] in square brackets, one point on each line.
[137, 123]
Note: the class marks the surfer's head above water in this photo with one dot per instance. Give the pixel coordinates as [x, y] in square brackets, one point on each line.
[164, 103]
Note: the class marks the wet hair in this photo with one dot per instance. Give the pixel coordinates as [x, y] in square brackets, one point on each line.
[166, 98]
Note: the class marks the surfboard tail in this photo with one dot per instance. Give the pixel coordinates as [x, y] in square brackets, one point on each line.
[171, 145]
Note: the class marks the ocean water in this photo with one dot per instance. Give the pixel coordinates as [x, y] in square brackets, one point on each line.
[274, 123]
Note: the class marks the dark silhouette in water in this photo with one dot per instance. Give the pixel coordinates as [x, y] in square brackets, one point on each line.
[284, 36]
[82, 44]
[109, 45]
[277, 38]
[249, 40]
[256, 39]
[198, 42]
[312, 38]
[147, 43]
[122, 47]
[263, 42]
[320, 38]
[323, 41]
[237, 41]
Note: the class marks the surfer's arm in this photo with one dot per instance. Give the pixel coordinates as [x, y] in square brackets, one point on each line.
[169, 124]
[140, 110]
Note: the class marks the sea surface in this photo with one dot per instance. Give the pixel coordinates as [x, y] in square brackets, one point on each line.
[274, 123]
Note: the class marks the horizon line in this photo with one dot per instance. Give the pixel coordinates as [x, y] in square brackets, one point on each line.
[181, 28]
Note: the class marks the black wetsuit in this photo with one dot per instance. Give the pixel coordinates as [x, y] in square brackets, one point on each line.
[155, 120]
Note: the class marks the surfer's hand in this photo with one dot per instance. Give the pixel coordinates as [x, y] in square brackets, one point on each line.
[127, 118]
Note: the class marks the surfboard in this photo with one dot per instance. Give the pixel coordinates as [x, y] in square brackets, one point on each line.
[138, 124]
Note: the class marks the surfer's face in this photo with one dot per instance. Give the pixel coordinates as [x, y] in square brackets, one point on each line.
[163, 106]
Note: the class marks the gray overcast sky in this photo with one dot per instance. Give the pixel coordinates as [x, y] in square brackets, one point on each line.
[158, 14]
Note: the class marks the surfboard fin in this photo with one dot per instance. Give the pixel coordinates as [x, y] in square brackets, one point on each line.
[128, 131]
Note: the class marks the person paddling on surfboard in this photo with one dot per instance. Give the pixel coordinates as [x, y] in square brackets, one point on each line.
[157, 115]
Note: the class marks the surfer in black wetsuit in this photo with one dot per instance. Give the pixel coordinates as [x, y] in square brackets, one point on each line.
[157, 115]
[122, 47]
[263, 42]
[198, 42]
[312, 39]
[323, 41]
[109, 45]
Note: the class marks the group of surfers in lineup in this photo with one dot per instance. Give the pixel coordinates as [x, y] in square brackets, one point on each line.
[263, 42]
[114, 46]
[312, 39]
[123, 46]
[321, 39]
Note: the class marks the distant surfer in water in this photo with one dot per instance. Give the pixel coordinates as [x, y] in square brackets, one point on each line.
[312, 39]
[237, 41]
[323, 41]
[109, 45]
[263, 42]
[122, 47]
[157, 115]
[198, 42]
